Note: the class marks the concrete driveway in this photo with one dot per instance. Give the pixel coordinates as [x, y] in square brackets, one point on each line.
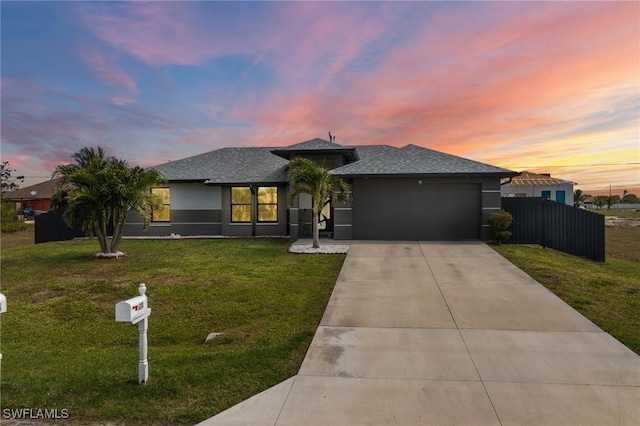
[449, 333]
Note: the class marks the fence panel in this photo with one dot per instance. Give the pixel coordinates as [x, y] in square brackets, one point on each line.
[556, 225]
[50, 226]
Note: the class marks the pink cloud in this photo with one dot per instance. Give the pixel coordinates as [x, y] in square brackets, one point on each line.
[521, 75]
[159, 33]
[108, 69]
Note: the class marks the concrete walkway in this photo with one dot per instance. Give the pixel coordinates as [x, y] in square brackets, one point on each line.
[449, 333]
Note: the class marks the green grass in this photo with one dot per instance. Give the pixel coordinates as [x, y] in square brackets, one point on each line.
[623, 243]
[62, 348]
[607, 293]
[17, 239]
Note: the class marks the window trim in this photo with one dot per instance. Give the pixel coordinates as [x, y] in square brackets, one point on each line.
[241, 204]
[164, 206]
[258, 204]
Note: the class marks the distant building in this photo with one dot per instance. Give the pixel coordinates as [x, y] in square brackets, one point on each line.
[542, 185]
[36, 197]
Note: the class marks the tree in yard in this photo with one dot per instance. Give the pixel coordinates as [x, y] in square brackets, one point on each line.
[306, 177]
[101, 191]
[579, 197]
[8, 213]
[599, 201]
[630, 198]
[611, 200]
[7, 183]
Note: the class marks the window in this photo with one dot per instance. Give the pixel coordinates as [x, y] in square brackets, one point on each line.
[560, 196]
[546, 195]
[241, 204]
[163, 214]
[267, 204]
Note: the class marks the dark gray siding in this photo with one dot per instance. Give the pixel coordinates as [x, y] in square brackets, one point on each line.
[183, 222]
[405, 209]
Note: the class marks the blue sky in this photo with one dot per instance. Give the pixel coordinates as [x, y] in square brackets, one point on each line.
[536, 85]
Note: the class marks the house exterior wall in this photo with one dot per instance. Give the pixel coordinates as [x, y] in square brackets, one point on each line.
[508, 190]
[204, 210]
[39, 205]
[255, 228]
[196, 209]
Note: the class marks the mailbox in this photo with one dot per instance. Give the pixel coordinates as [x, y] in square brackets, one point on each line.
[133, 310]
[3, 303]
[136, 311]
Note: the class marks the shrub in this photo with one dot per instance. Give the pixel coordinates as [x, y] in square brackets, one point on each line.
[9, 227]
[500, 222]
[9, 217]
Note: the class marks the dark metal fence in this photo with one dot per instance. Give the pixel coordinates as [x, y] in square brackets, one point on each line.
[50, 226]
[556, 225]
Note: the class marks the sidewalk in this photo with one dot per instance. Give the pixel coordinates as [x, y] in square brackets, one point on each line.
[449, 333]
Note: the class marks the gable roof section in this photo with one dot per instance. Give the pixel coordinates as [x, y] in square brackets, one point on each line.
[529, 178]
[316, 146]
[415, 160]
[44, 190]
[228, 165]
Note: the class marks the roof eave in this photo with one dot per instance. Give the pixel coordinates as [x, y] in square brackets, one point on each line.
[350, 154]
[426, 175]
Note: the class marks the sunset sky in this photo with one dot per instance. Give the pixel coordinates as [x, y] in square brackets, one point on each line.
[541, 86]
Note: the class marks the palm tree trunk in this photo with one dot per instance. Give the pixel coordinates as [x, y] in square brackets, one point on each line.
[118, 230]
[314, 227]
[101, 238]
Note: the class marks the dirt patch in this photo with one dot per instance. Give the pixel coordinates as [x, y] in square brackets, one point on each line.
[45, 295]
[621, 222]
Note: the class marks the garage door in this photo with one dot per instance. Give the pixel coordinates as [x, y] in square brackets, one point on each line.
[406, 210]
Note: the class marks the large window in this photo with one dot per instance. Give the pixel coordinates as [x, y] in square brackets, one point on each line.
[267, 204]
[241, 204]
[163, 214]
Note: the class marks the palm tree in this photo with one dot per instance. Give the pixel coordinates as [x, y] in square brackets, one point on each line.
[579, 197]
[306, 177]
[101, 191]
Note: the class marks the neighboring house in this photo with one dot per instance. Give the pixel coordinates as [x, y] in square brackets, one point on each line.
[408, 193]
[36, 197]
[542, 185]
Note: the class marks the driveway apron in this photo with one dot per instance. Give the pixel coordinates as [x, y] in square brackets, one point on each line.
[449, 333]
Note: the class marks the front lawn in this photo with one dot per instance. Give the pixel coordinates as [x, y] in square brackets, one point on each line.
[63, 349]
[607, 293]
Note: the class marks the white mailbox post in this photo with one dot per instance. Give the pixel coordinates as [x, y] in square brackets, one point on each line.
[136, 311]
[3, 309]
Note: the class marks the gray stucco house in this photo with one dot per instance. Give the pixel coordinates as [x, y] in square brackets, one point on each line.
[408, 193]
[529, 184]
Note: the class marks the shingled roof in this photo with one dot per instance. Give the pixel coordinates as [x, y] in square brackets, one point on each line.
[529, 178]
[269, 164]
[415, 160]
[317, 146]
[228, 165]
[44, 190]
